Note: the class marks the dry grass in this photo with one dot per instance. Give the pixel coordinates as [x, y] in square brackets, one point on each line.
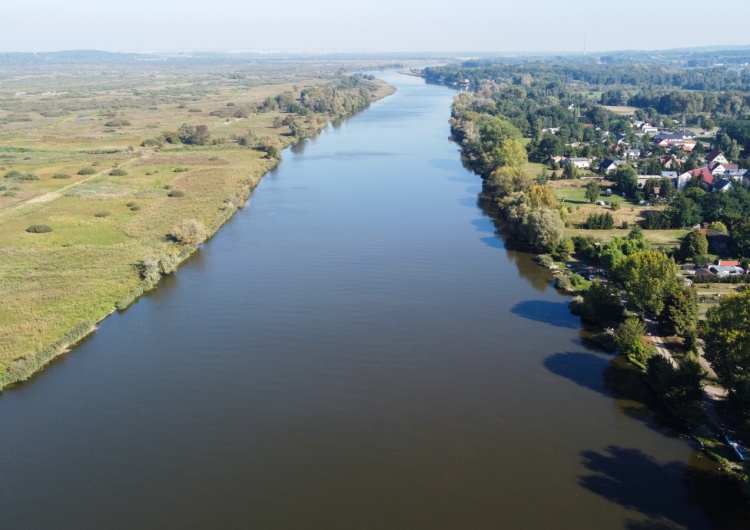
[51, 282]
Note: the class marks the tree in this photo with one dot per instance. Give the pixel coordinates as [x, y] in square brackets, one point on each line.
[201, 136]
[601, 304]
[506, 180]
[542, 197]
[740, 232]
[726, 332]
[510, 153]
[593, 190]
[694, 244]
[680, 314]
[629, 339]
[680, 388]
[647, 276]
[544, 229]
[570, 171]
[627, 180]
[684, 212]
[185, 133]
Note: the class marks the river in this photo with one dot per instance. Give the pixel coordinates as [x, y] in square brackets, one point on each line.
[355, 349]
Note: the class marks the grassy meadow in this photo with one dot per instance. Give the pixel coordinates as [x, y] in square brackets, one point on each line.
[75, 138]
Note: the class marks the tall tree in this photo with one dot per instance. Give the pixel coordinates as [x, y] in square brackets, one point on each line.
[726, 332]
[648, 277]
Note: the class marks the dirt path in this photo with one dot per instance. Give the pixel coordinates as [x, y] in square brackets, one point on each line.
[52, 195]
[711, 393]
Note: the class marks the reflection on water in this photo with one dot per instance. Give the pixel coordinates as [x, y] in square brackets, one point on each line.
[356, 349]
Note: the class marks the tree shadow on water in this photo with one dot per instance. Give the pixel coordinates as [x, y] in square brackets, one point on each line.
[584, 369]
[636, 481]
[553, 313]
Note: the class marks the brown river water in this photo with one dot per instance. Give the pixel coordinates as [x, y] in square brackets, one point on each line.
[356, 349]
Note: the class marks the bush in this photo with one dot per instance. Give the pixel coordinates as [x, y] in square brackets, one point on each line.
[60, 176]
[545, 260]
[189, 232]
[117, 123]
[39, 229]
[603, 221]
[86, 171]
[180, 169]
[102, 213]
[17, 175]
[176, 193]
[117, 172]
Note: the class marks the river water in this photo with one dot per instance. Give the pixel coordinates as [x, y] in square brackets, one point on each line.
[355, 349]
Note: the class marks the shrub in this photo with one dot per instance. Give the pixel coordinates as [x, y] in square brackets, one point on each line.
[86, 171]
[189, 232]
[117, 172]
[603, 221]
[180, 169]
[102, 213]
[176, 193]
[60, 176]
[17, 175]
[121, 122]
[39, 229]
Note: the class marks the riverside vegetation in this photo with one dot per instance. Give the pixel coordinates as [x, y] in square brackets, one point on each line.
[492, 127]
[112, 174]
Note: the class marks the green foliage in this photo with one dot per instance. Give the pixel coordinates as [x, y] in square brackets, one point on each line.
[544, 229]
[22, 368]
[680, 314]
[629, 340]
[87, 171]
[60, 176]
[570, 171]
[39, 229]
[102, 213]
[118, 172]
[600, 221]
[680, 389]
[601, 304]
[726, 333]
[587, 246]
[119, 122]
[626, 179]
[648, 277]
[18, 176]
[593, 190]
[176, 193]
[693, 245]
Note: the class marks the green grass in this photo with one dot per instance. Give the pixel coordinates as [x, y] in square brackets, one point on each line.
[51, 283]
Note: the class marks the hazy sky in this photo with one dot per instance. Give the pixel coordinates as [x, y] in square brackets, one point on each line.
[382, 25]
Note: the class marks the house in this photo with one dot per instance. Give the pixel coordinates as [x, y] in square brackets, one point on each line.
[716, 157]
[721, 271]
[719, 168]
[632, 153]
[723, 185]
[671, 175]
[642, 179]
[703, 174]
[686, 135]
[608, 165]
[579, 163]
[703, 272]
[649, 129]
[727, 263]
[736, 174]
[551, 130]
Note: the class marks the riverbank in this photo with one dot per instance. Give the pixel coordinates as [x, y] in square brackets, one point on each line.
[117, 194]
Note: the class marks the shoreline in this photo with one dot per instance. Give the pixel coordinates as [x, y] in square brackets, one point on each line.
[25, 366]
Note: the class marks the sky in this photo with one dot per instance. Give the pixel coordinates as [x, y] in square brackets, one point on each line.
[380, 26]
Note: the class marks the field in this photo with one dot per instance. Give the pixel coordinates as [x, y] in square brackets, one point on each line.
[572, 194]
[622, 110]
[84, 142]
